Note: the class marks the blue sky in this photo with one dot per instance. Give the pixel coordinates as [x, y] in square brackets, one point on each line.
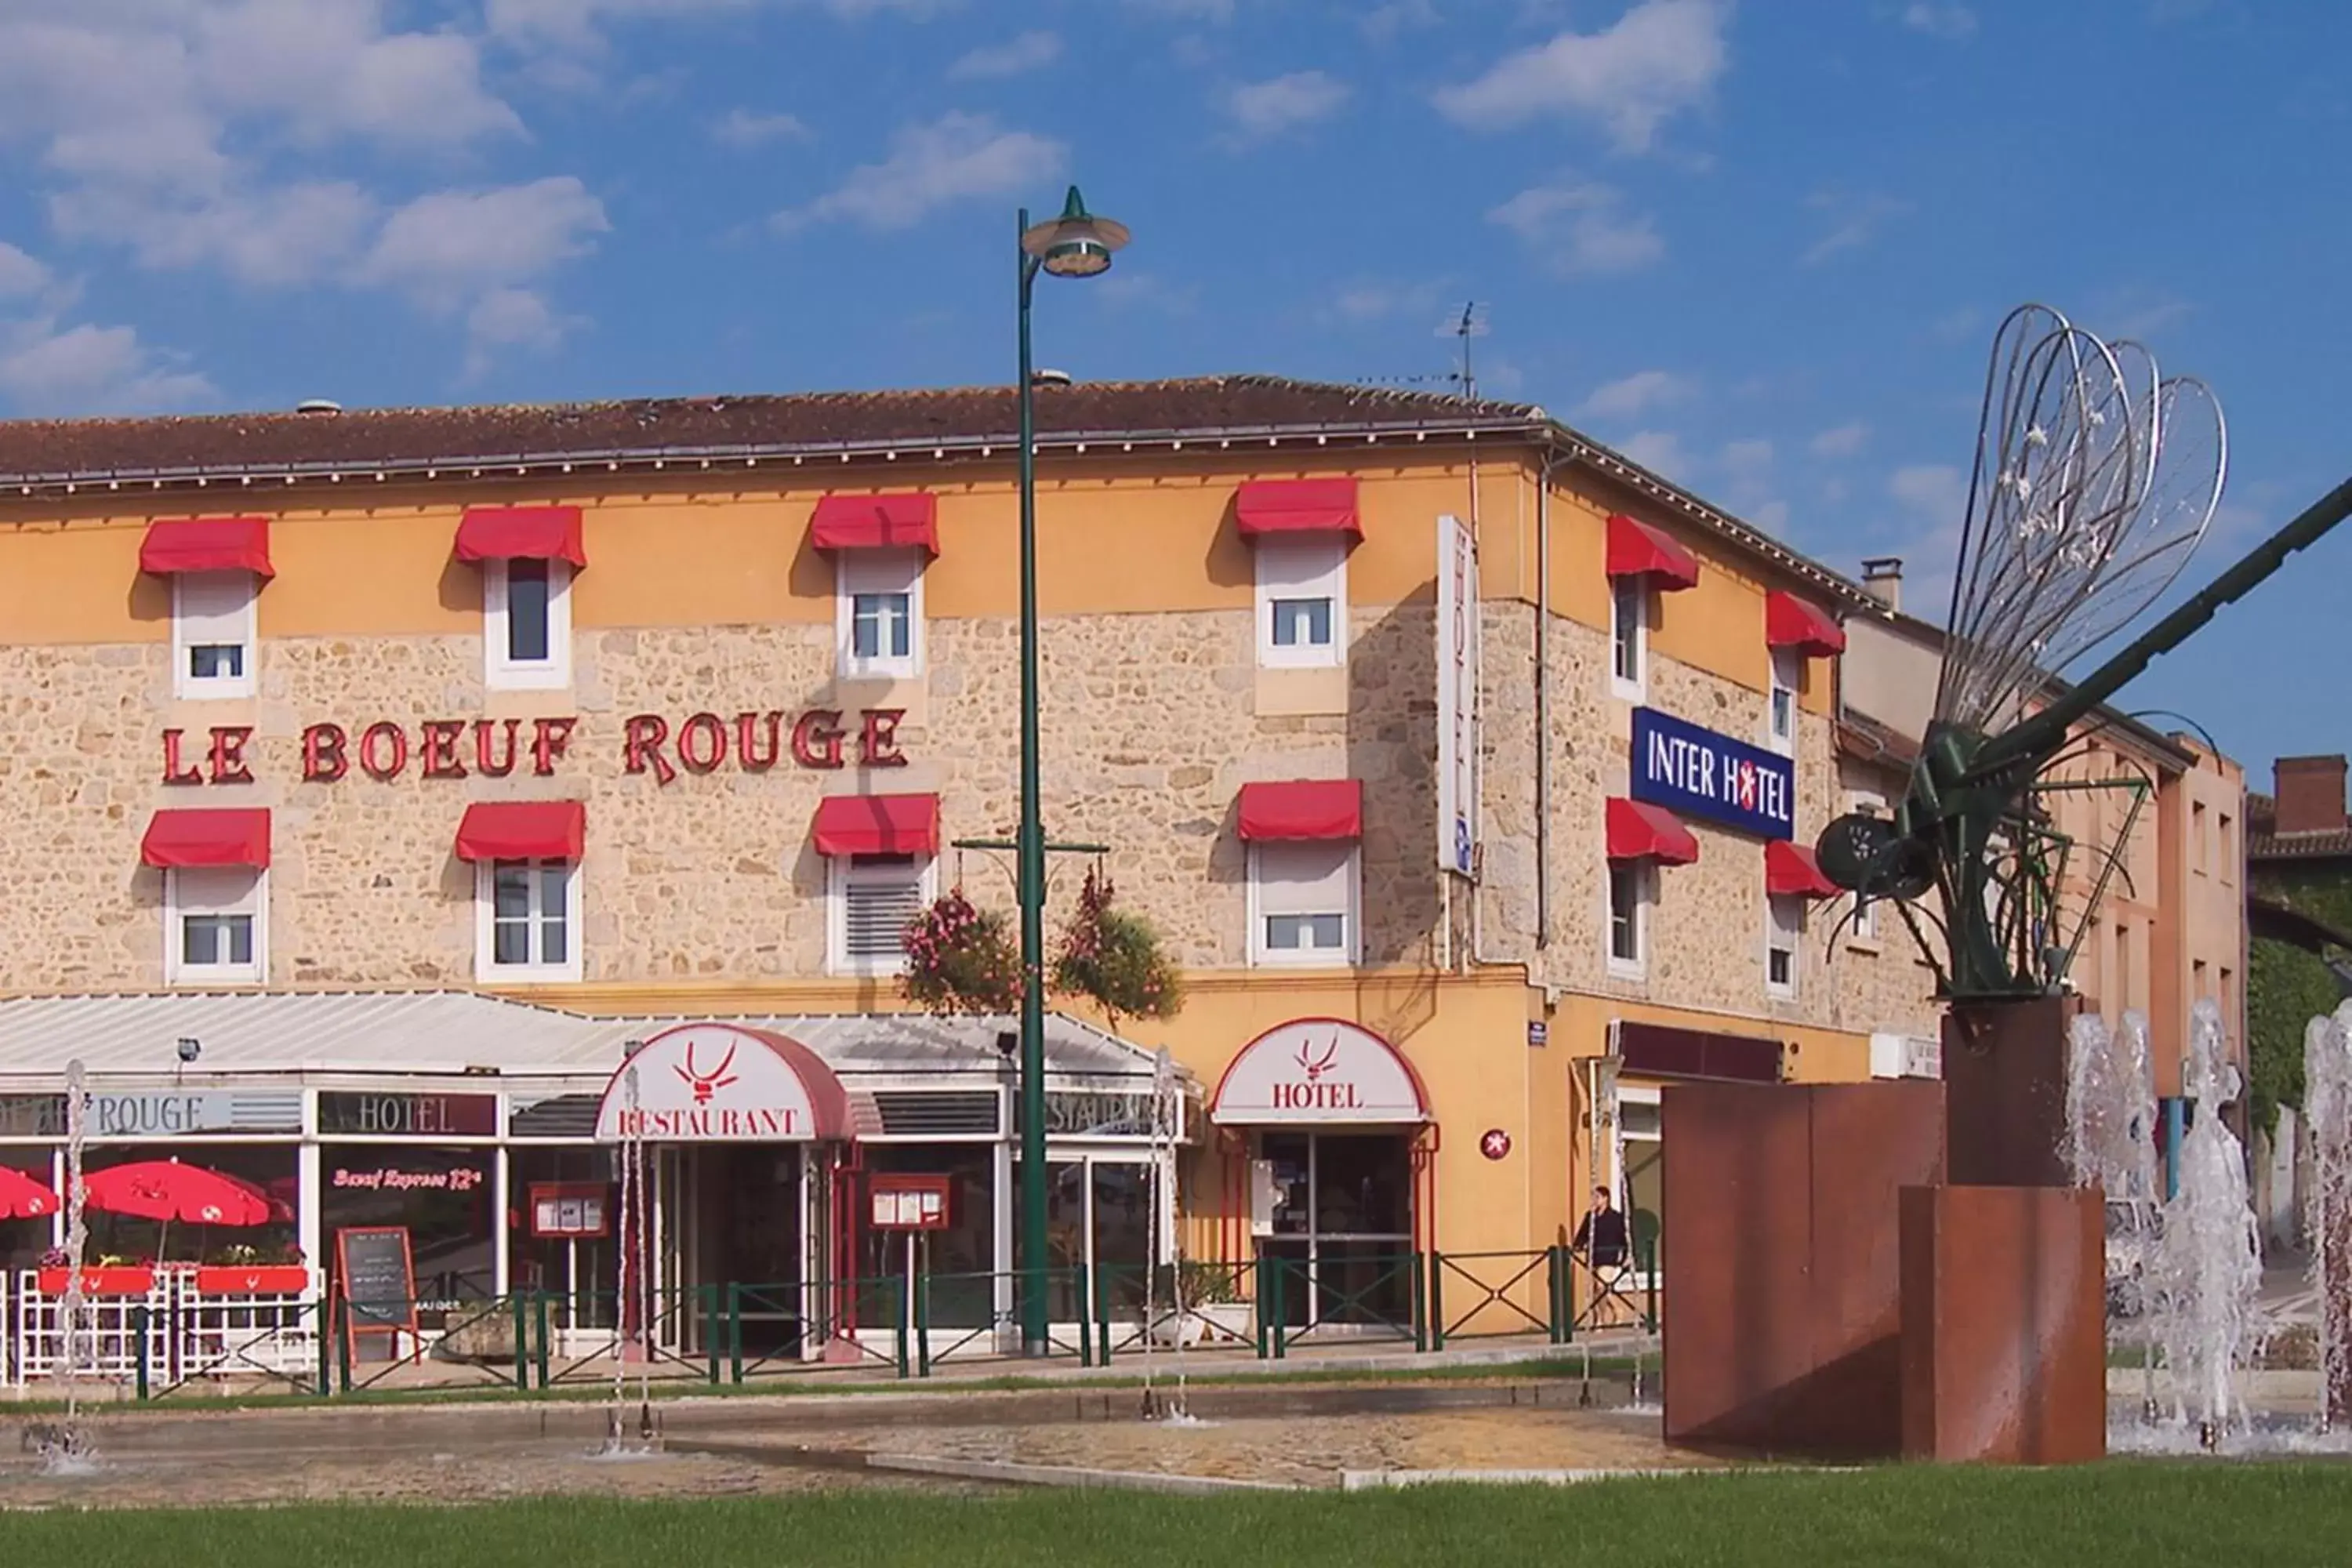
[1761, 246]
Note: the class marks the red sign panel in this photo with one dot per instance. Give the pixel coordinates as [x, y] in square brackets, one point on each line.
[899, 1202]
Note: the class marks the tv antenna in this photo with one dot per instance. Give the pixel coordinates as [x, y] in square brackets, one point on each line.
[1469, 322]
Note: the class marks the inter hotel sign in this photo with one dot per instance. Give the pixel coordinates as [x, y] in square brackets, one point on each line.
[1686, 769]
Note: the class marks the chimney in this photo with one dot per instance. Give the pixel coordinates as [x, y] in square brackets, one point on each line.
[2310, 795]
[1882, 578]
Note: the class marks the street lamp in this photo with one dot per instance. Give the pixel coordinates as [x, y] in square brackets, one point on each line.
[1076, 244]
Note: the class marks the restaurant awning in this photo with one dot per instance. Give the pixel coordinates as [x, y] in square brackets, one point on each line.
[1638, 831]
[178, 544]
[1791, 872]
[906, 521]
[1638, 550]
[877, 825]
[191, 837]
[1262, 507]
[1323, 1070]
[1302, 809]
[523, 830]
[1791, 622]
[522, 533]
[723, 1083]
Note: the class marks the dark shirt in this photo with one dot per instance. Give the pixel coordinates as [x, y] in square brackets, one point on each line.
[1601, 1236]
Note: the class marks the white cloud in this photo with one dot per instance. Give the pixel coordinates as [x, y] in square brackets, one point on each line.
[87, 369]
[452, 245]
[1218, 11]
[1951, 22]
[290, 234]
[750, 128]
[1147, 290]
[510, 318]
[1660, 451]
[957, 157]
[1581, 228]
[1266, 109]
[1659, 59]
[1934, 493]
[1030, 51]
[1630, 396]
[1934, 498]
[1747, 459]
[20, 274]
[1839, 440]
[1383, 23]
[1853, 221]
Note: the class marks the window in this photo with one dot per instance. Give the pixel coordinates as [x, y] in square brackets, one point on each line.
[872, 897]
[1629, 631]
[215, 928]
[879, 613]
[1784, 929]
[526, 625]
[2199, 980]
[212, 634]
[1788, 680]
[528, 920]
[2199, 851]
[1302, 601]
[2224, 852]
[1303, 903]
[1863, 928]
[1632, 888]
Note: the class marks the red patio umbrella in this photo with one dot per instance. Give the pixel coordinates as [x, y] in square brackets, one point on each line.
[168, 1190]
[21, 1197]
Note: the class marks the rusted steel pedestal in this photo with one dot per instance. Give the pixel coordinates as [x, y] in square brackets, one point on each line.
[2004, 1324]
[2005, 1091]
[1783, 1269]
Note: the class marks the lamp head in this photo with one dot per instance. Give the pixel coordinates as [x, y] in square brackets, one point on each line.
[190, 1049]
[1078, 244]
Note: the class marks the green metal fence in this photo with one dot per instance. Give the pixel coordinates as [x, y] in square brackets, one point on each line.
[1498, 1295]
[978, 1327]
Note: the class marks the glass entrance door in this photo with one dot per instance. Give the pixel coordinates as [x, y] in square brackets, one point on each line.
[1098, 1215]
[1343, 1220]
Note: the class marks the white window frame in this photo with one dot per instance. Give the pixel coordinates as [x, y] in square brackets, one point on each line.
[1307, 566]
[1784, 932]
[1633, 689]
[196, 623]
[856, 572]
[192, 890]
[1268, 863]
[1645, 886]
[841, 872]
[1788, 680]
[488, 971]
[501, 673]
[1862, 930]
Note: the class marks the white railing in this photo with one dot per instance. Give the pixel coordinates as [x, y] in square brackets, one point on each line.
[183, 1333]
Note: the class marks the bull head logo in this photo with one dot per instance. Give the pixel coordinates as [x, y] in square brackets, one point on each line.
[1313, 1065]
[706, 1084]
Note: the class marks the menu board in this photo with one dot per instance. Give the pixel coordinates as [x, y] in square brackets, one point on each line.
[378, 1278]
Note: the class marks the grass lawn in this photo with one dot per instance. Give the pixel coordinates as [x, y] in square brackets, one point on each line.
[2125, 1513]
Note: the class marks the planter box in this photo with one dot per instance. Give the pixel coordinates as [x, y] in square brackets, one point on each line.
[253, 1280]
[487, 1337]
[98, 1281]
[1213, 1322]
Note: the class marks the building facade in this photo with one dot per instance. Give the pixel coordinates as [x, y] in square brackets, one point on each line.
[1467, 770]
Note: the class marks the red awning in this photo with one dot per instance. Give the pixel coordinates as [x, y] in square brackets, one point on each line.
[208, 836]
[877, 825]
[522, 533]
[177, 544]
[1297, 506]
[1642, 832]
[1791, 872]
[523, 830]
[910, 521]
[1791, 622]
[1303, 809]
[1637, 549]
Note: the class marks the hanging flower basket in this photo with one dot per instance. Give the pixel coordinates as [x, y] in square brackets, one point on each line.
[962, 960]
[1116, 959]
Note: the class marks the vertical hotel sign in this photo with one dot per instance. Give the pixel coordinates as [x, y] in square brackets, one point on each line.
[1458, 696]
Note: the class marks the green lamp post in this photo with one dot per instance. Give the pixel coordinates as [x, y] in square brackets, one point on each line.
[1075, 245]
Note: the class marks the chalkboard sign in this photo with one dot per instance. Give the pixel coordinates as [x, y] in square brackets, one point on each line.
[379, 1278]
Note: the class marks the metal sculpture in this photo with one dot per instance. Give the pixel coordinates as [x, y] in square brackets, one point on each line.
[2095, 480]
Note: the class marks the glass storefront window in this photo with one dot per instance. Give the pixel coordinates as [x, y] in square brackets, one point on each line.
[961, 1259]
[1098, 1214]
[269, 1166]
[579, 1272]
[441, 1197]
[22, 1241]
[1342, 1226]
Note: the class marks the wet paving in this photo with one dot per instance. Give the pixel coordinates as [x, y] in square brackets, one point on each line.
[1306, 1437]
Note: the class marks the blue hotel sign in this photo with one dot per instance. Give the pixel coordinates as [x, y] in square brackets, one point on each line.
[1686, 769]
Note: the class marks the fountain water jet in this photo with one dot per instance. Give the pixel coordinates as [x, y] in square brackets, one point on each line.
[2327, 1217]
[64, 1448]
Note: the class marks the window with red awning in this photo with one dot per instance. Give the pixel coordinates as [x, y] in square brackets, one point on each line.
[208, 836]
[522, 533]
[1302, 811]
[1798, 624]
[177, 546]
[877, 825]
[523, 830]
[906, 521]
[1638, 550]
[1285, 507]
[1638, 831]
[1791, 872]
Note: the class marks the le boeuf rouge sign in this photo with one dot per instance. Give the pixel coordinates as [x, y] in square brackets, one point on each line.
[820, 737]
